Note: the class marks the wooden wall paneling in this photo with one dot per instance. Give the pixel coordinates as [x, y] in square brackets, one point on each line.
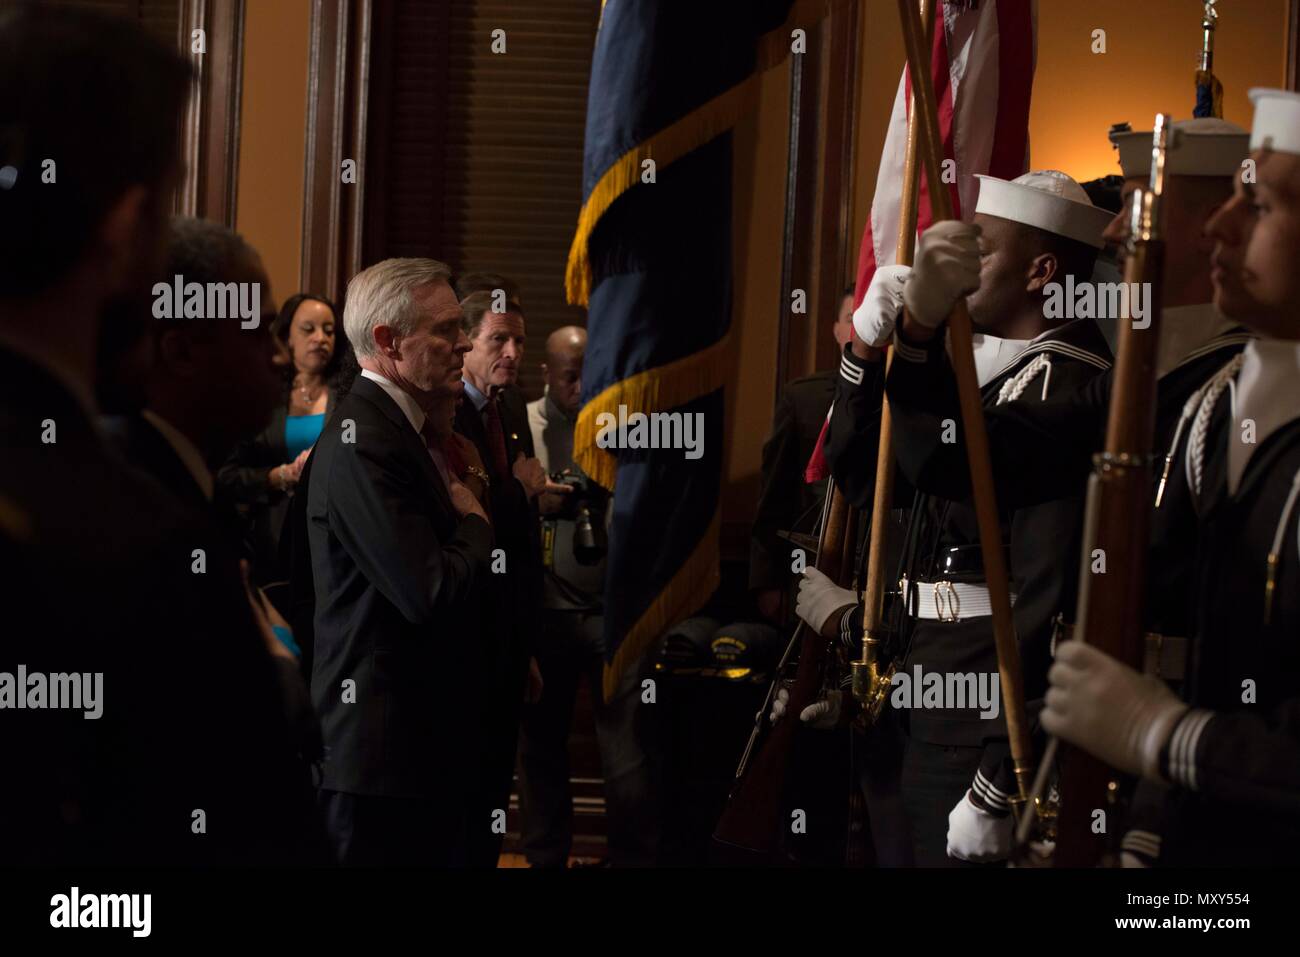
[1293, 45]
[512, 143]
[405, 170]
[836, 248]
[193, 16]
[223, 94]
[338, 93]
[793, 358]
[210, 128]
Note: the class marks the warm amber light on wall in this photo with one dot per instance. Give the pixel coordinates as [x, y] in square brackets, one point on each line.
[1152, 47]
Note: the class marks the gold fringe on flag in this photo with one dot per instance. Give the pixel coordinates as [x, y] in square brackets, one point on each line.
[663, 387]
[674, 141]
[685, 593]
[692, 131]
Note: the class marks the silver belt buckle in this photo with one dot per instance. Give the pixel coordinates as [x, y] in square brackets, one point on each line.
[947, 604]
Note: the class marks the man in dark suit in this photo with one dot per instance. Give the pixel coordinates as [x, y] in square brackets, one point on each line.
[400, 554]
[210, 383]
[787, 502]
[103, 575]
[494, 416]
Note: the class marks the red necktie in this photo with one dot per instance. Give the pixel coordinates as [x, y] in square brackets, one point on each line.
[496, 439]
[435, 444]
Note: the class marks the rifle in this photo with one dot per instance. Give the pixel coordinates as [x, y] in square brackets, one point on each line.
[1116, 519]
[752, 821]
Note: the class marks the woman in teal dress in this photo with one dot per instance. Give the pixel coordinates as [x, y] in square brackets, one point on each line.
[264, 470]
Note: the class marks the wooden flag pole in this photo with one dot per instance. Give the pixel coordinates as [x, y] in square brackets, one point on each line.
[972, 413]
[870, 681]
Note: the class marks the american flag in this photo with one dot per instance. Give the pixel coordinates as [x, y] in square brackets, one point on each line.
[982, 67]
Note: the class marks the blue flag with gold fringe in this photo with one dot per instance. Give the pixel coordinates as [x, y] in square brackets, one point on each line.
[651, 259]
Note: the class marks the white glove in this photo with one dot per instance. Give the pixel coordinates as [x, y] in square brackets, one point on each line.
[820, 598]
[822, 714]
[778, 704]
[873, 321]
[977, 836]
[1108, 709]
[947, 268]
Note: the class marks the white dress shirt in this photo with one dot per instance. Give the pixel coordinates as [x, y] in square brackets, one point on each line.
[415, 415]
[410, 408]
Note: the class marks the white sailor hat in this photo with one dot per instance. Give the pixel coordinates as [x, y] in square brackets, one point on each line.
[1206, 146]
[1277, 120]
[1047, 199]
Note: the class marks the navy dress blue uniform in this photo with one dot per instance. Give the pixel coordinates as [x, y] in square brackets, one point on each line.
[786, 502]
[946, 748]
[1064, 433]
[1234, 760]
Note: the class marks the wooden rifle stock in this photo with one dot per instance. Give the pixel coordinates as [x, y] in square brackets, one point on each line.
[1110, 609]
[753, 819]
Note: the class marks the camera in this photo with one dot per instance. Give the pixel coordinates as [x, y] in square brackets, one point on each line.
[585, 507]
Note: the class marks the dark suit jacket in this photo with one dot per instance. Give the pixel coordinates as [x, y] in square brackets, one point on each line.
[514, 517]
[787, 503]
[98, 575]
[143, 447]
[241, 484]
[398, 583]
[512, 620]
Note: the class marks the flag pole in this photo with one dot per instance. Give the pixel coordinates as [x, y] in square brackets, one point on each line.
[972, 412]
[870, 682]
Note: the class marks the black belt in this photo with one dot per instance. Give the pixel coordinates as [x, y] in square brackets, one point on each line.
[959, 563]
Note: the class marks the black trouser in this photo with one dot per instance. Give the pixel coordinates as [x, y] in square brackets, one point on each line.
[572, 652]
[498, 733]
[373, 831]
[935, 777]
[878, 756]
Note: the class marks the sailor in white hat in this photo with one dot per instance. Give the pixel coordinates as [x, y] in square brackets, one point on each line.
[1037, 229]
[1028, 234]
[1256, 276]
[1228, 747]
[1204, 157]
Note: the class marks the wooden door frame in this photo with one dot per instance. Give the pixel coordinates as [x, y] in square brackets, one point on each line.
[210, 128]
